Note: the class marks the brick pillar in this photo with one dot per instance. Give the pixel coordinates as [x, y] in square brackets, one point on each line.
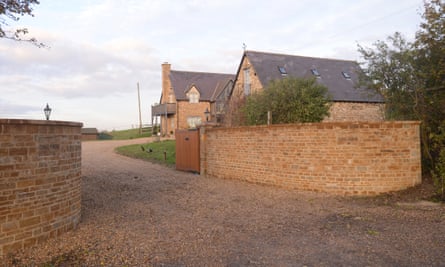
[40, 181]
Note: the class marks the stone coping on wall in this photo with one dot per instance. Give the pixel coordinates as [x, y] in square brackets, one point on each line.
[323, 125]
[40, 122]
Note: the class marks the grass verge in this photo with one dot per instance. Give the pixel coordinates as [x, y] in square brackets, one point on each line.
[129, 134]
[153, 152]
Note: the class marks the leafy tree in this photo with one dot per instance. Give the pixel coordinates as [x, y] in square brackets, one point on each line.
[13, 10]
[389, 69]
[438, 170]
[289, 100]
[411, 76]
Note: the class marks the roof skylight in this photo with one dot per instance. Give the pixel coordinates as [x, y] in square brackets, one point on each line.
[315, 72]
[346, 75]
[282, 70]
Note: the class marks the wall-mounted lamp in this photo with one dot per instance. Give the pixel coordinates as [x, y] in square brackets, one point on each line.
[207, 114]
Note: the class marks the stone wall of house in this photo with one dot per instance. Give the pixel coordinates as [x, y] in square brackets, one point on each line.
[344, 158]
[231, 115]
[255, 84]
[190, 110]
[353, 111]
[40, 181]
[168, 124]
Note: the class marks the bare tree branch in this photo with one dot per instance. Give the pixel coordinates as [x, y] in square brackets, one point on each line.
[13, 10]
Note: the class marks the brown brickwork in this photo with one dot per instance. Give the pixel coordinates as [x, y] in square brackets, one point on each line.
[169, 123]
[89, 137]
[40, 187]
[344, 158]
[190, 109]
[167, 90]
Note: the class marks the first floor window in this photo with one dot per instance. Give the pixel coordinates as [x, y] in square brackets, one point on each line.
[194, 121]
[246, 82]
[220, 107]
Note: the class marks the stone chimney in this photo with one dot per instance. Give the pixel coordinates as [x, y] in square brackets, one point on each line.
[166, 85]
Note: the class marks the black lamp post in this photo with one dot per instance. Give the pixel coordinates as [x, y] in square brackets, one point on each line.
[207, 114]
[47, 111]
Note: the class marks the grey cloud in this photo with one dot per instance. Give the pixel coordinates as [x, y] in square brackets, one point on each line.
[76, 69]
[9, 110]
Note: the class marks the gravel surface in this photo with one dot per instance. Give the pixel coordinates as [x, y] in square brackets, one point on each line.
[135, 213]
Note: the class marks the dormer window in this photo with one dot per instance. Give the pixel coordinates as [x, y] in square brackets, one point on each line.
[315, 73]
[282, 71]
[193, 97]
[346, 75]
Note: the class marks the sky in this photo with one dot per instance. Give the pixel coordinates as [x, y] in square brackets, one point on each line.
[99, 50]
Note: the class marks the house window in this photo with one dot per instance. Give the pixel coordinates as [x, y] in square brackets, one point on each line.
[346, 75]
[193, 97]
[282, 71]
[315, 72]
[194, 121]
[220, 107]
[246, 82]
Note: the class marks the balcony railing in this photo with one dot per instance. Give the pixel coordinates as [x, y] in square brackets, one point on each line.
[163, 109]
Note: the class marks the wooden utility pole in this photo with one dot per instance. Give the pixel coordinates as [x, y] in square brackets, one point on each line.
[140, 118]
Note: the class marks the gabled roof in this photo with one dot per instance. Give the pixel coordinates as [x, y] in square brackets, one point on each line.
[206, 83]
[89, 131]
[221, 87]
[267, 67]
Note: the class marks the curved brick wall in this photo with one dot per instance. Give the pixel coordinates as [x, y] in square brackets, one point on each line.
[345, 158]
[40, 181]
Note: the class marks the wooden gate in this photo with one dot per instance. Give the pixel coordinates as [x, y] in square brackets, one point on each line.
[187, 150]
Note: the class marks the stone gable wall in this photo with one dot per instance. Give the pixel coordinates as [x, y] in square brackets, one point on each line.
[353, 111]
[255, 83]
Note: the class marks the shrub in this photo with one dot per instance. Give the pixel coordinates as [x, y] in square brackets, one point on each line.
[289, 100]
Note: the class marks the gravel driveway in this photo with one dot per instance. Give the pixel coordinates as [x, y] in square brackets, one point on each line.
[135, 213]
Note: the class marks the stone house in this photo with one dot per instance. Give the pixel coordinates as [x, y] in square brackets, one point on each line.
[190, 98]
[350, 103]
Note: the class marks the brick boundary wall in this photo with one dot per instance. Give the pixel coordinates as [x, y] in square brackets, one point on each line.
[40, 181]
[343, 158]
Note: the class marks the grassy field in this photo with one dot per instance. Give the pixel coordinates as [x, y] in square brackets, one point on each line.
[130, 134]
[142, 151]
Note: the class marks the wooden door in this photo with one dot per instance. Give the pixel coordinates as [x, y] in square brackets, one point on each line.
[187, 150]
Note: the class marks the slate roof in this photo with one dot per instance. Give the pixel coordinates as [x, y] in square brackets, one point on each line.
[89, 131]
[266, 66]
[206, 83]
